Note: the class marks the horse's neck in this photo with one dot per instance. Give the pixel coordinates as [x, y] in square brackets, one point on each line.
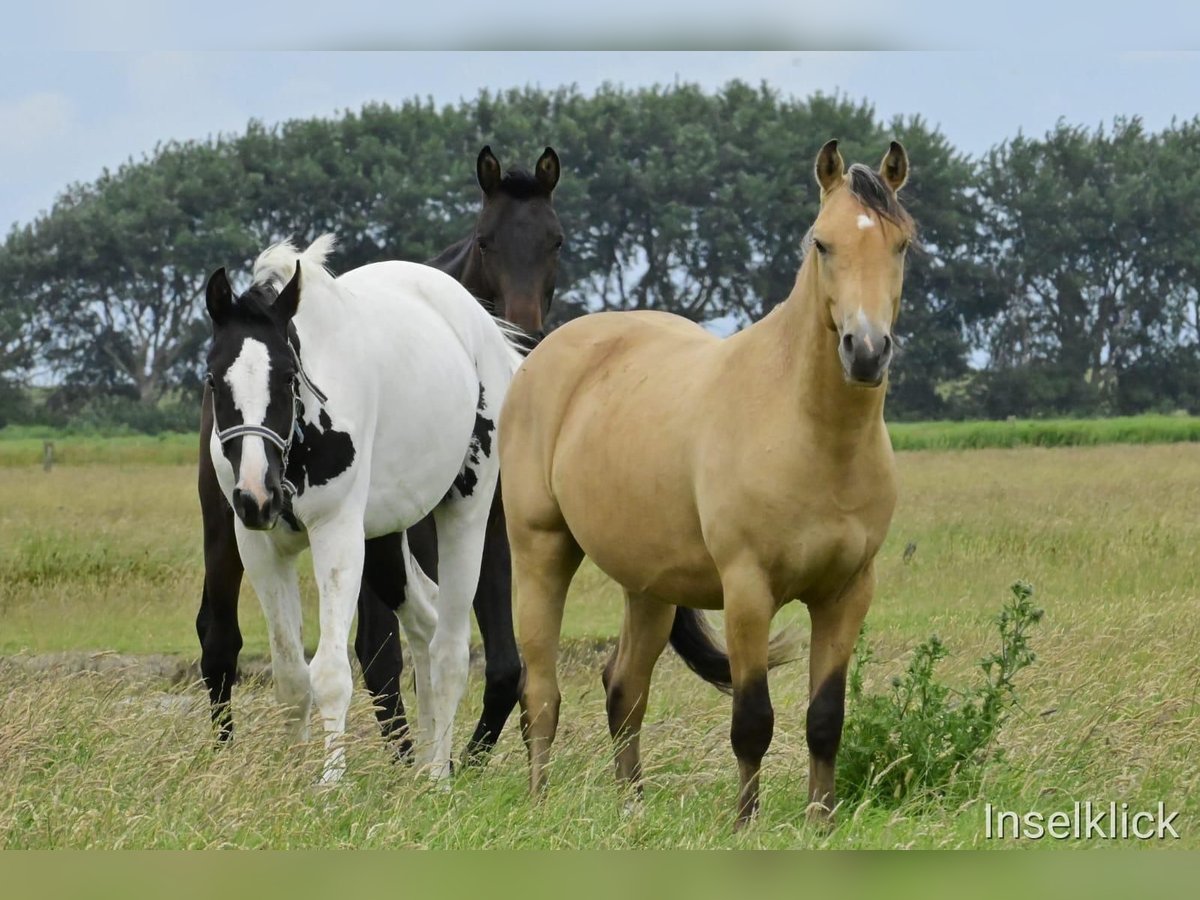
[794, 350]
[319, 323]
[461, 261]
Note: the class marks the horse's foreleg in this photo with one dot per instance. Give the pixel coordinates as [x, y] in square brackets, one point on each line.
[749, 607]
[493, 612]
[836, 622]
[217, 621]
[337, 553]
[278, 588]
[377, 642]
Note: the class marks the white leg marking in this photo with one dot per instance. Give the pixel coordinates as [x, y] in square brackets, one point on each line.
[419, 618]
[337, 551]
[461, 525]
[274, 579]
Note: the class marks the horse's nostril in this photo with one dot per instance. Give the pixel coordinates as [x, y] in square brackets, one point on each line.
[887, 343]
[848, 343]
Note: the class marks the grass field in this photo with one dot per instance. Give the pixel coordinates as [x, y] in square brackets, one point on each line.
[23, 446]
[105, 558]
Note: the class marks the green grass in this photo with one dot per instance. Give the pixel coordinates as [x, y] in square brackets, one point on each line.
[22, 445]
[1144, 429]
[107, 558]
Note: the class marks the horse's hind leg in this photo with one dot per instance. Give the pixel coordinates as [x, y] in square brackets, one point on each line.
[644, 634]
[217, 621]
[377, 642]
[544, 562]
[836, 622]
[461, 525]
[493, 612]
[418, 616]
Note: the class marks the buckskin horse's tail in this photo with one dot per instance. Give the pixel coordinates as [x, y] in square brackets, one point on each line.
[700, 648]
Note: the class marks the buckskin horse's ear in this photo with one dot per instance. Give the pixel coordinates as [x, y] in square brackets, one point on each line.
[830, 167]
[894, 168]
[487, 170]
[548, 170]
[288, 301]
[218, 296]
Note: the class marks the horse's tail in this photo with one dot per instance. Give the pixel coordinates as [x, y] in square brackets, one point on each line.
[278, 262]
[700, 648]
[517, 343]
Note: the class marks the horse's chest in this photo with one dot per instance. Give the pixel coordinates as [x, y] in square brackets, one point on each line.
[823, 549]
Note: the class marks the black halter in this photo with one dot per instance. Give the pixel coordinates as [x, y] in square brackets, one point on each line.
[225, 435]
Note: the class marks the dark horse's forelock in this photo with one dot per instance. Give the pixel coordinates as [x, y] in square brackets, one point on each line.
[255, 303]
[520, 184]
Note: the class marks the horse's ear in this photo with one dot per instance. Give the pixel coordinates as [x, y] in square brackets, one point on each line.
[894, 168]
[487, 170]
[548, 170]
[830, 168]
[218, 296]
[288, 301]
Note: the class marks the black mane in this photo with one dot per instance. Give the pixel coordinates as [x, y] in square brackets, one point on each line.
[256, 303]
[520, 184]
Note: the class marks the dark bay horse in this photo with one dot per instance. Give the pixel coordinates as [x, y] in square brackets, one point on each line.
[701, 473]
[509, 262]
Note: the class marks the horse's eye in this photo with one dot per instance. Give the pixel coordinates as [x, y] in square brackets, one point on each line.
[821, 248]
[903, 246]
[558, 244]
[483, 245]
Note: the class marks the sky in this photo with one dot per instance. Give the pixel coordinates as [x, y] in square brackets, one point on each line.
[83, 93]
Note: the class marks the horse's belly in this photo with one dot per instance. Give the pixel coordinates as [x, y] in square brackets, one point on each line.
[649, 544]
[416, 457]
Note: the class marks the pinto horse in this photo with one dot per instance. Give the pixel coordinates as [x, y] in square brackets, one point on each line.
[509, 263]
[346, 409]
[701, 473]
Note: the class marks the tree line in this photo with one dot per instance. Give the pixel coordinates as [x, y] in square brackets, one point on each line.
[1055, 275]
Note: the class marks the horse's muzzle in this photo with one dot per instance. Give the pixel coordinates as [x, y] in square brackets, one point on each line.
[865, 354]
[255, 514]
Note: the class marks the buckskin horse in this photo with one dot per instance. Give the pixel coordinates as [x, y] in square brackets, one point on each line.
[346, 409]
[509, 263]
[702, 473]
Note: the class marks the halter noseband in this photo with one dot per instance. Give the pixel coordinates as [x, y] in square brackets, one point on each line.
[225, 435]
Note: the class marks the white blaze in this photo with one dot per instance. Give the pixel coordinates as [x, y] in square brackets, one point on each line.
[865, 222]
[249, 381]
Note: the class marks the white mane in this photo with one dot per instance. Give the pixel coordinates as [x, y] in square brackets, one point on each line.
[277, 263]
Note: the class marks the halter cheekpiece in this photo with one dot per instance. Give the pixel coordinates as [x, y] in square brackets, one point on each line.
[225, 435]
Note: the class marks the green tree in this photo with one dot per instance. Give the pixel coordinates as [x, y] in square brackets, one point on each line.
[1098, 234]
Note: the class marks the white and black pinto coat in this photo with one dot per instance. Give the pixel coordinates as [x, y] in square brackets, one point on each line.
[413, 373]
